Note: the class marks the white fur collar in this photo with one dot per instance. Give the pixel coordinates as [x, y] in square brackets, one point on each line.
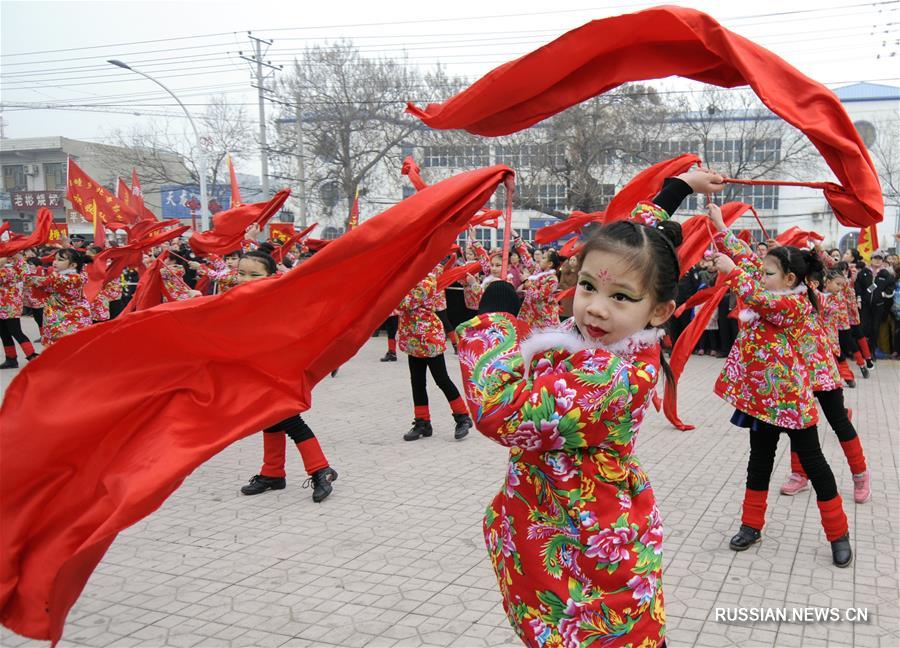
[748, 315]
[567, 336]
[67, 271]
[541, 274]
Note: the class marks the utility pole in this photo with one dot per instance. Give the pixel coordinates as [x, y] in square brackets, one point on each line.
[261, 70]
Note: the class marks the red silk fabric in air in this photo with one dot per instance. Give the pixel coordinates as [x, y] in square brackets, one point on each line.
[798, 237]
[230, 226]
[200, 374]
[39, 236]
[657, 43]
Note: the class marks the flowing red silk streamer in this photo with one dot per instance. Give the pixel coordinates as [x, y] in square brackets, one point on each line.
[568, 292]
[487, 218]
[230, 227]
[411, 169]
[150, 290]
[507, 226]
[644, 186]
[279, 252]
[39, 236]
[571, 248]
[456, 274]
[798, 237]
[654, 44]
[200, 374]
[110, 264]
[696, 237]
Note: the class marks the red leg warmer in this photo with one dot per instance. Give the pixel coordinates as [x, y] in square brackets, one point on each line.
[834, 520]
[273, 454]
[754, 509]
[312, 455]
[855, 457]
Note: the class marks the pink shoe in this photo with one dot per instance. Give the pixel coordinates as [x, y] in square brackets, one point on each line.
[862, 488]
[795, 484]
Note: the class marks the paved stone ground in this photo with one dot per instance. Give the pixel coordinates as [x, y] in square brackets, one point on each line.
[395, 556]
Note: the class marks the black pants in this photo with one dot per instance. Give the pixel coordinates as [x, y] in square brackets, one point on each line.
[295, 427]
[848, 345]
[832, 403]
[390, 325]
[38, 315]
[11, 329]
[438, 368]
[805, 442]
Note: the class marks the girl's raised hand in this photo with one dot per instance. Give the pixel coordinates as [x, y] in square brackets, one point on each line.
[715, 215]
[724, 263]
[703, 180]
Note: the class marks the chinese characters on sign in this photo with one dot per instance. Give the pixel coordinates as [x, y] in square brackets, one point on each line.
[178, 201]
[34, 200]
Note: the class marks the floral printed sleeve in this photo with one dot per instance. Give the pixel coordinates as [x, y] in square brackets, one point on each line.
[779, 309]
[174, 285]
[526, 261]
[482, 257]
[423, 295]
[583, 399]
[215, 270]
[740, 252]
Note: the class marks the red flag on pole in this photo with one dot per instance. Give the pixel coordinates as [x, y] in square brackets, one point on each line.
[868, 242]
[93, 201]
[230, 226]
[353, 221]
[235, 187]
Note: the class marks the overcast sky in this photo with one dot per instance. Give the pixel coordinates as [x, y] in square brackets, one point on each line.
[830, 40]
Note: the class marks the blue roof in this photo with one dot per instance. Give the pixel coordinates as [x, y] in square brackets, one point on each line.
[868, 92]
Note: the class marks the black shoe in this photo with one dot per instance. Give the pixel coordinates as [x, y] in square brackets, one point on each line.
[390, 356]
[334, 374]
[260, 484]
[746, 537]
[841, 553]
[870, 364]
[420, 428]
[321, 483]
[11, 363]
[463, 425]
[32, 356]
[864, 370]
[851, 384]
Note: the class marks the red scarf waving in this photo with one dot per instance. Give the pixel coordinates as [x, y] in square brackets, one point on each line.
[201, 374]
[230, 227]
[657, 43]
[39, 236]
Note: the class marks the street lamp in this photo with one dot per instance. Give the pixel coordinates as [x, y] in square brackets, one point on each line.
[204, 206]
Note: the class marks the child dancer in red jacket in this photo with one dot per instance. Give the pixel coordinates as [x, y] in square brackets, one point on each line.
[768, 383]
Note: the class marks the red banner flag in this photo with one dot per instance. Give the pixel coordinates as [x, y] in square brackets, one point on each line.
[235, 187]
[151, 290]
[230, 226]
[654, 44]
[280, 232]
[92, 200]
[106, 463]
[353, 221]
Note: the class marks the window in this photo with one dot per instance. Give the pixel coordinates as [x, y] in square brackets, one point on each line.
[520, 156]
[54, 177]
[408, 190]
[550, 196]
[523, 233]
[14, 178]
[719, 151]
[658, 151]
[760, 196]
[767, 150]
[866, 131]
[456, 157]
[607, 192]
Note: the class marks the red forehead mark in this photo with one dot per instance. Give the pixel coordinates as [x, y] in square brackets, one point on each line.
[604, 277]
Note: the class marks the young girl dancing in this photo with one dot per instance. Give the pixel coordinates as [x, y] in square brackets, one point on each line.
[252, 267]
[539, 306]
[768, 383]
[818, 350]
[12, 293]
[66, 310]
[574, 534]
[422, 337]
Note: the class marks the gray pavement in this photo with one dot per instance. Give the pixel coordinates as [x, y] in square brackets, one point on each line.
[395, 556]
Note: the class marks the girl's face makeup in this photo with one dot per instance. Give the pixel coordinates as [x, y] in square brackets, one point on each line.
[611, 304]
[250, 269]
[232, 261]
[774, 277]
[496, 266]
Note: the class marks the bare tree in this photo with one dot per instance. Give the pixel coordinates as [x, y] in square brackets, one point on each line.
[352, 109]
[156, 146]
[738, 136]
